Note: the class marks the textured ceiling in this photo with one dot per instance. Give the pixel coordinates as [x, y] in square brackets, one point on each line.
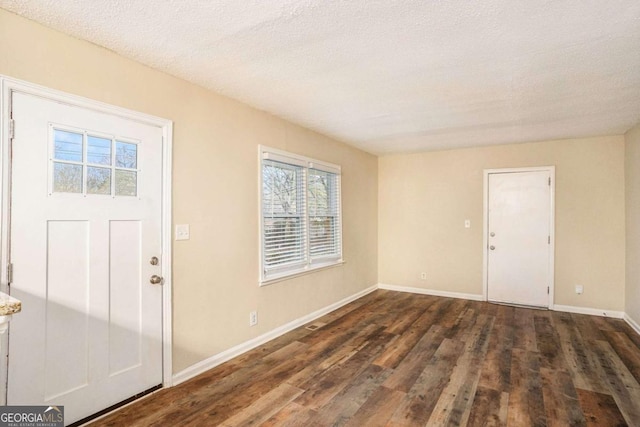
[389, 76]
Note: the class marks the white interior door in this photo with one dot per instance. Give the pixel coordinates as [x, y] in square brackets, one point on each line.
[519, 240]
[86, 194]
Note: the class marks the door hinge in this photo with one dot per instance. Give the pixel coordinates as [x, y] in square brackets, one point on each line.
[9, 272]
[549, 181]
[547, 290]
[12, 128]
[549, 239]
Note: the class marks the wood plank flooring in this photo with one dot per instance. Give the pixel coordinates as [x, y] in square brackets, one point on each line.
[399, 359]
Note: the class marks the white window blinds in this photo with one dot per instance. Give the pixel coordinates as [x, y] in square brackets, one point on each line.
[283, 215]
[324, 219]
[301, 214]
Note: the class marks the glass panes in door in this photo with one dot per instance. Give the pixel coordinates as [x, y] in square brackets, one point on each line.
[84, 163]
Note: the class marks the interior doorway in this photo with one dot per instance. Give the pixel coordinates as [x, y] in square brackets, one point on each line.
[518, 236]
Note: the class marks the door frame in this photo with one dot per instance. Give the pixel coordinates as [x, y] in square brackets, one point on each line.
[8, 86]
[485, 226]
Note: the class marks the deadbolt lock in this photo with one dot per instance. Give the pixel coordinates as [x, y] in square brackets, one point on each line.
[153, 260]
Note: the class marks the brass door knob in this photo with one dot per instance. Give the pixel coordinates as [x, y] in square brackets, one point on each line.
[155, 280]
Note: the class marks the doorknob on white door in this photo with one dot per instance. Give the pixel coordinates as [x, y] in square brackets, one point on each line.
[155, 280]
[492, 247]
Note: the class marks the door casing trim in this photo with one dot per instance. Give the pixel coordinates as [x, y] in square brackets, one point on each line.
[485, 226]
[8, 86]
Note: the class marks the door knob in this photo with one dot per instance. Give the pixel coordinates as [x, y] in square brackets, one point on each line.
[155, 280]
[490, 247]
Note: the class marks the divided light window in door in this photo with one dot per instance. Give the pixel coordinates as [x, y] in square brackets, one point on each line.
[86, 163]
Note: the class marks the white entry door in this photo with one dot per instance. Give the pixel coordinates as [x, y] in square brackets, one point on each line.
[519, 240]
[86, 193]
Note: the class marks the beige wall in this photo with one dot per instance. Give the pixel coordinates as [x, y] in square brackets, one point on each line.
[632, 191]
[424, 199]
[215, 189]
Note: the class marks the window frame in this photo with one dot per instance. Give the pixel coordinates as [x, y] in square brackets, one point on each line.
[85, 164]
[309, 264]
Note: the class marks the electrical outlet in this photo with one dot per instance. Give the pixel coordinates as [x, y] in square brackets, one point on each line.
[253, 318]
[423, 276]
[579, 289]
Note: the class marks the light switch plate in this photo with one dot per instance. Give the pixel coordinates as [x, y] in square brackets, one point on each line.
[182, 231]
[467, 223]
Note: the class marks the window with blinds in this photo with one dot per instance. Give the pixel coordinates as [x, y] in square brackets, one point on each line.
[301, 215]
[283, 215]
[324, 218]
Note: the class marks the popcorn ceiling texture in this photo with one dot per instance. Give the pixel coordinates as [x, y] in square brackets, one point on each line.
[388, 76]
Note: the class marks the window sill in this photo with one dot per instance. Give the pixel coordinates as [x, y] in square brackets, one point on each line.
[290, 275]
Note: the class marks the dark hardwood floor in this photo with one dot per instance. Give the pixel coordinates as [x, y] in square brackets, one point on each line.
[398, 359]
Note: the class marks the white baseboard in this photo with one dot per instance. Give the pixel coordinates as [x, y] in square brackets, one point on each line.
[589, 311]
[476, 297]
[632, 323]
[434, 292]
[218, 359]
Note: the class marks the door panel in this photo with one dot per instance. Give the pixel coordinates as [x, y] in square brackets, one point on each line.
[66, 354]
[86, 193]
[519, 224]
[124, 345]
